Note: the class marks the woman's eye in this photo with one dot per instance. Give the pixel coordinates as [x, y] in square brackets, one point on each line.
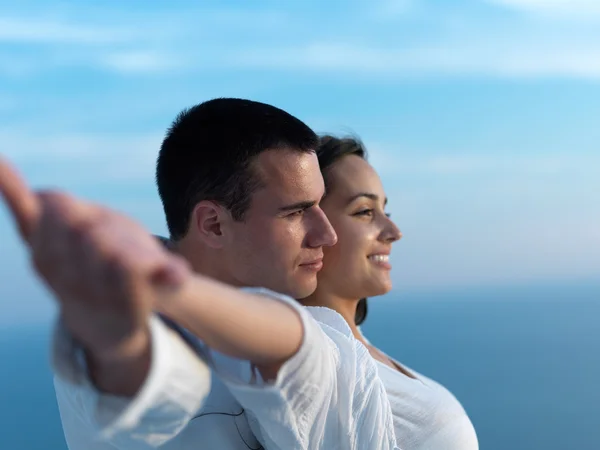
[365, 212]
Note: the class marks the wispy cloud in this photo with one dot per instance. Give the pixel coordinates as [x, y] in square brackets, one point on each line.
[41, 44]
[243, 40]
[390, 9]
[84, 158]
[143, 61]
[557, 8]
[498, 57]
[130, 158]
[119, 41]
[390, 162]
[19, 30]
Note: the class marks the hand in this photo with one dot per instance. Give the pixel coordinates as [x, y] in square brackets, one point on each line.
[104, 269]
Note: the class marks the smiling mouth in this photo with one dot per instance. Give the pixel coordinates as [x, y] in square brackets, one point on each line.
[381, 261]
[380, 258]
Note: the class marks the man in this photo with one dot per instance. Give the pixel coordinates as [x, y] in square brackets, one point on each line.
[241, 186]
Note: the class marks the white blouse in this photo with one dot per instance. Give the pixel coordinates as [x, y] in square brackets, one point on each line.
[426, 415]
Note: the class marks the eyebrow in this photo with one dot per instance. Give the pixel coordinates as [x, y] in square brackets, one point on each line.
[368, 195]
[299, 206]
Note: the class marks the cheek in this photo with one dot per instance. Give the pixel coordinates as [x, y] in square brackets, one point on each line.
[248, 244]
[350, 251]
[277, 240]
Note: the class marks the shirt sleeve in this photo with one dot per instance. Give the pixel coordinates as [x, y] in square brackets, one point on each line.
[177, 384]
[328, 395]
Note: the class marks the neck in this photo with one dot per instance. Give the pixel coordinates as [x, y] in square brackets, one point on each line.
[203, 260]
[344, 306]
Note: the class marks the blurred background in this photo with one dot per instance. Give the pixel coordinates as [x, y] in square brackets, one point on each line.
[478, 114]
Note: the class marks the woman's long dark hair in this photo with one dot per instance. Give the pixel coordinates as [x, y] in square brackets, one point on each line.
[332, 149]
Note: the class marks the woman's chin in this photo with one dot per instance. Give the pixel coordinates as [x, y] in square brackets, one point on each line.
[381, 287]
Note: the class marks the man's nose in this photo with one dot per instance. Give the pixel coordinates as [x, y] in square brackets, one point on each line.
[323, 234]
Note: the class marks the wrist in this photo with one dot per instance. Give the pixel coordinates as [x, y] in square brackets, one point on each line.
[132, 346]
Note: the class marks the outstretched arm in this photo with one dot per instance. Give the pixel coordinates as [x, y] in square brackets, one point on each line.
[104, 281]
[108, 273]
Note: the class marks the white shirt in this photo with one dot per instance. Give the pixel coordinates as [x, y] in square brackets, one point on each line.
[426, 415]
[327, 396]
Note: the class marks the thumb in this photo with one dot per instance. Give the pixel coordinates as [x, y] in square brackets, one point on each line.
[22, 202]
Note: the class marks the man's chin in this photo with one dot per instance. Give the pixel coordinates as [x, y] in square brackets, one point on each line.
[303, 290]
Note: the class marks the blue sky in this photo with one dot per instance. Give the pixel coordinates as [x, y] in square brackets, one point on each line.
[480, 116]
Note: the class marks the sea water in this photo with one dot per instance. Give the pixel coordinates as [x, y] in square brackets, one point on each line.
[524, 362]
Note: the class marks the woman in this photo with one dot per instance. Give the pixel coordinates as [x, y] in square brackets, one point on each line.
[426, 415]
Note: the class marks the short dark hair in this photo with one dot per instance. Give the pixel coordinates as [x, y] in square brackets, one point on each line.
[330, 150]
[208, 151]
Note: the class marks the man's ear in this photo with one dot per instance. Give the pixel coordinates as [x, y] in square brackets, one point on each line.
[209, 222]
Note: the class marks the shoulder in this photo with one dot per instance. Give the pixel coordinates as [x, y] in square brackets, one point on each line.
[326, 317]
[272, 294]
[330, 320]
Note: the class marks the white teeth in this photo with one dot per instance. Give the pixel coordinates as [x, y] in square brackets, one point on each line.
[380, 258]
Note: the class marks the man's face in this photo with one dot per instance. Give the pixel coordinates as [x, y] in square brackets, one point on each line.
[279, 245]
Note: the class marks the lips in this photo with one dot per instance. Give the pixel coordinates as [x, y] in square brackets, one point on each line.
[313, 262]
[314, 265]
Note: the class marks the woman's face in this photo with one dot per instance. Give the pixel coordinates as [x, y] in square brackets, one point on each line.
[358, 265]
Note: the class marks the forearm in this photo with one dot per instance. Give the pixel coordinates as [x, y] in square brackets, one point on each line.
[123, 370]
[259, 329]
[174, 389]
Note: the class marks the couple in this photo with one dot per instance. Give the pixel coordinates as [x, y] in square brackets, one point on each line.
[244, 199]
